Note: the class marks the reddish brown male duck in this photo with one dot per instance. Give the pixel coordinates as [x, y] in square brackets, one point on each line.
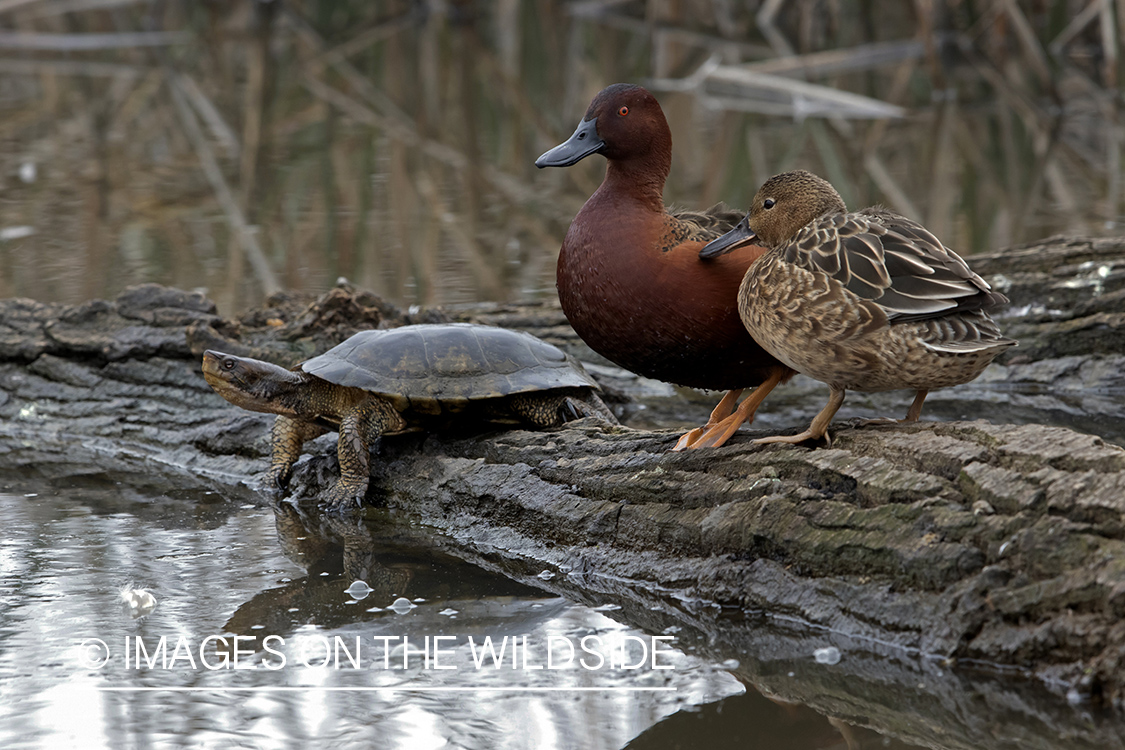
[629, 275]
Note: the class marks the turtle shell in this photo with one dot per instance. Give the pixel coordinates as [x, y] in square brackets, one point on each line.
[448, 363]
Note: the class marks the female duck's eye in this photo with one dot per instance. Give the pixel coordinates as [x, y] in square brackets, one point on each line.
[623, 111]
[768, 203]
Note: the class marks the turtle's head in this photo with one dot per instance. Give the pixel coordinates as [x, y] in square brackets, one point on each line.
[251, 383]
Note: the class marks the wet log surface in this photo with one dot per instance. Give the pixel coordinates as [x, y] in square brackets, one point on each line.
[914, 547]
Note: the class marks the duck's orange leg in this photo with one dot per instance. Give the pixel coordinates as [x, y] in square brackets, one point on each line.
[721, 412]
[819, 426]
[721, 433]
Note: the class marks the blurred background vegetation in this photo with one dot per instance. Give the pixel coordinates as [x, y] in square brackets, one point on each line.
[241, 146]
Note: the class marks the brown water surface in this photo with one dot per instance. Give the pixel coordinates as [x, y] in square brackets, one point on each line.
[256, 145]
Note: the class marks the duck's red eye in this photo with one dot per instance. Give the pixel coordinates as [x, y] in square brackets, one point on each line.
[623, 111]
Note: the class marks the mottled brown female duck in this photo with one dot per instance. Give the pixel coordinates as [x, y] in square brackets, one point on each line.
[629, 275]
[866, 301]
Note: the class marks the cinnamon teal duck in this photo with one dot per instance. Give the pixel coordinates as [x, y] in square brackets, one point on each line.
[629, 275]
[866, 301]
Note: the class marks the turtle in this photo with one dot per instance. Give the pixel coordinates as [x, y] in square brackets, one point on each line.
[389, 381]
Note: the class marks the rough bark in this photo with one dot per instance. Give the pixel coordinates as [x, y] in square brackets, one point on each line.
[979, 543]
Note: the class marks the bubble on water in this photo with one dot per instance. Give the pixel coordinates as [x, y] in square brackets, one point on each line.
[358, 590]
[546, 575]
[401, 606]
[829, 655]
[16, 233]
[138, 601]
[448, 611]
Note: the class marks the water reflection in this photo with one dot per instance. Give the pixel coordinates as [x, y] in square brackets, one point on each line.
[257, 145]
[223, 568]
[67, 551]
[336, 552]
[752, 720]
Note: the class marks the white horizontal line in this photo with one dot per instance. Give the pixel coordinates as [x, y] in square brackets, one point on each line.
[366, 688]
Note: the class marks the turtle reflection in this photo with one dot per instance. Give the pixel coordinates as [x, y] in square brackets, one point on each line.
[394, 563]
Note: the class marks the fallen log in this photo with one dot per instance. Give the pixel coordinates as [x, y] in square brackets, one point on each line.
[961, 542]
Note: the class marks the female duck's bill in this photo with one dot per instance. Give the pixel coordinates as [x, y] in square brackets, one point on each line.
[629, 275]
[867, 301]
[741, 235]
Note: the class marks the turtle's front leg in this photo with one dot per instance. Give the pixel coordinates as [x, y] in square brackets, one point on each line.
[359, 429]
[286, 439]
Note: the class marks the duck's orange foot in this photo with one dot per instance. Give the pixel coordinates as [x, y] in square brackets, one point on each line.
[726, 419]
[688, 439]
[723, 410]
[720, 433]
[710, 435]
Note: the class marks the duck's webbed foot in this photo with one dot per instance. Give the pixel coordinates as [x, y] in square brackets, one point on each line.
[721, 431]
[911, 416]
[819, 426]
[794, 439]
[721, 411]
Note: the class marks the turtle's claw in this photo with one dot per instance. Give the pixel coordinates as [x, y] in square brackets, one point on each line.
[275, 484]
[340, 498]
[278, 478]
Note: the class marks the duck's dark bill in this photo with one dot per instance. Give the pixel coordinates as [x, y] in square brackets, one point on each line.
[735, 238]
[584, 142]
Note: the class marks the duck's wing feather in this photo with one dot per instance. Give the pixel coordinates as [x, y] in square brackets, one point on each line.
[706, 225]
[959, 334]
[892, 261]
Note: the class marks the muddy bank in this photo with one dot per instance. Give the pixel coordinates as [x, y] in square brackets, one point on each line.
[963, 541]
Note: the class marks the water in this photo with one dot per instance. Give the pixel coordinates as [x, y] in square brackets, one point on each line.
[280, 581]
[72, 546]
[394, 143]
